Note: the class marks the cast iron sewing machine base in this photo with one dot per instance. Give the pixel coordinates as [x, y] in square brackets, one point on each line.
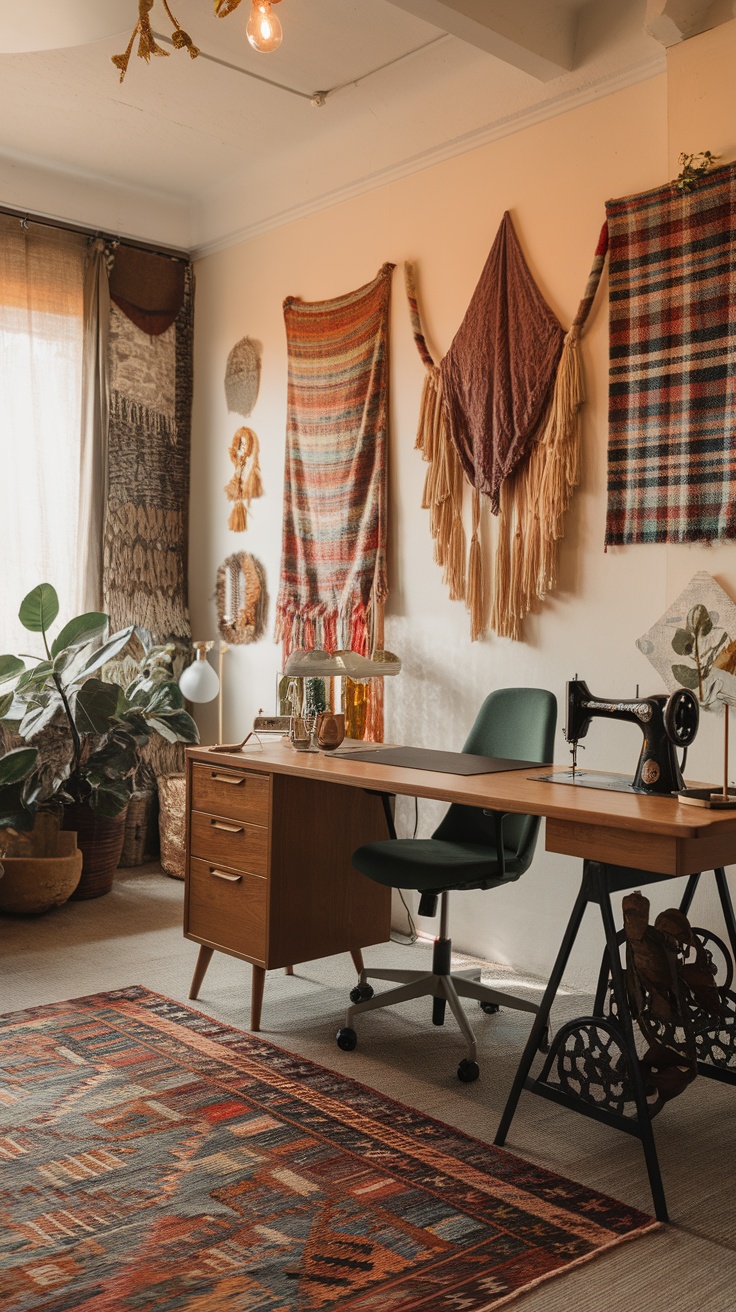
[593, 1065]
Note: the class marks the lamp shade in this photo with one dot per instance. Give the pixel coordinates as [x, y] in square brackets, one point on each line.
[326, 665]
[199, 682]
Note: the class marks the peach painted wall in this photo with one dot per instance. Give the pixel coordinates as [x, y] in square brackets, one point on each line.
[554, 178]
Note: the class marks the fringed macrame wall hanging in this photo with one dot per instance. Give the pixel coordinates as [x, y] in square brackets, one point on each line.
[502, 410]
[245, 484]
[241, 599]
[146, 515]
[333, 584]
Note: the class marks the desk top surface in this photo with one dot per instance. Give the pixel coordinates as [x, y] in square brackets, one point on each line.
[512, 791]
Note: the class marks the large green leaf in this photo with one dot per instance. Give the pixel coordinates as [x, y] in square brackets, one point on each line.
[35, 677]
[179, 727]
[5, 704]
[39, 714]
[683, 642]
[10, 668]
[79, 631]
[16, 765]
[112, 799]
[95, 706]
[39, 608]
[686, 676]
[116, 760]
[107, 652]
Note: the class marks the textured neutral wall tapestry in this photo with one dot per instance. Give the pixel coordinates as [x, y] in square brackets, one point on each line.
[241, 598]
[333, 567]
[150, 379]
[502, 409]
[672, 396]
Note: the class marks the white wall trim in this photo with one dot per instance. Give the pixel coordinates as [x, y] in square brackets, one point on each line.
[505, 127]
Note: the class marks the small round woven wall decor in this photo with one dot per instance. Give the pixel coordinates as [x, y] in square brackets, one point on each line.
[243, 376]
[242, 599]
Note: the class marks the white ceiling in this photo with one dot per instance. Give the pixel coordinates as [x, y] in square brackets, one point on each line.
[195, 154]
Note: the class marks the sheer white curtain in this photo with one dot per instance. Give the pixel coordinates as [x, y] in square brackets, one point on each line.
[41, 351]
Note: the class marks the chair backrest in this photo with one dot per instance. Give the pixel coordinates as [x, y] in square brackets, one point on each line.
[518, 723]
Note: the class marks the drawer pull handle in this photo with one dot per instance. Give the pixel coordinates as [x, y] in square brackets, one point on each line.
[229, 829]
[222, 874]
[235, 779]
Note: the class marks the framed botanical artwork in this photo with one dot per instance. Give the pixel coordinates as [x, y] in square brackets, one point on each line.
[693, 645]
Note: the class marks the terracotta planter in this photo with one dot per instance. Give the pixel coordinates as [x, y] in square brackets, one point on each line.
[100, 839]
[42, 870]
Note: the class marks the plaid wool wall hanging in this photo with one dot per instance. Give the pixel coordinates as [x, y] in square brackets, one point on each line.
[333, 565]
[672, 394]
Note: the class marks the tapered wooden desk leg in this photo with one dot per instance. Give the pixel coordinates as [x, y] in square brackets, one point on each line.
[256, 997]
[289, 970]
[357, 956]
[200, 970]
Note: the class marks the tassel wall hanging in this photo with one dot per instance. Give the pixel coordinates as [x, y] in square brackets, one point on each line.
[245, 484]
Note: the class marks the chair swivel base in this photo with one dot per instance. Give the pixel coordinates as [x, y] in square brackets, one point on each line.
[440, 984]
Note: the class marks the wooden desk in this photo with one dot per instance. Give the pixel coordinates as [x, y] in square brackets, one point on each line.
[304, 899]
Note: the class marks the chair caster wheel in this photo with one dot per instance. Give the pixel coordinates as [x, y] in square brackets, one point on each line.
[490, 1008]
[361, 993]
[468, 1071]
[438, 1011]
[543, 1045]
[347, 1039]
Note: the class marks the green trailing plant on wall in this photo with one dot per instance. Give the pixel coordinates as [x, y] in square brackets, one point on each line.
[82, 734]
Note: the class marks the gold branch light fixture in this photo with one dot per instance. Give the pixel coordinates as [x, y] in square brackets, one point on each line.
[263, 30]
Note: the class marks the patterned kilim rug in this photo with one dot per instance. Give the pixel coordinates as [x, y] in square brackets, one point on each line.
[152, 1158]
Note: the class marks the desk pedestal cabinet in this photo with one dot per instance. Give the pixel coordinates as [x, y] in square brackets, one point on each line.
[268, 873]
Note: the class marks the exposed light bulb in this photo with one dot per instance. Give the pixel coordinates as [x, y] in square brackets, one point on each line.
[263, 28]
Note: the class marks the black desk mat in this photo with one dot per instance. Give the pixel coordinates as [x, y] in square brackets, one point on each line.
[426, 758]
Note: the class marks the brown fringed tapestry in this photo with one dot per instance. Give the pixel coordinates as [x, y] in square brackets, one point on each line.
[150, 373]
[502, 409]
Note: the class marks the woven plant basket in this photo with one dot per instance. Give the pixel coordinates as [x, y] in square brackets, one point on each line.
[172, 823]
[140, 843]
[100, 840]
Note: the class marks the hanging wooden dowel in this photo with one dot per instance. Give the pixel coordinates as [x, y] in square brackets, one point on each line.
[726, 713]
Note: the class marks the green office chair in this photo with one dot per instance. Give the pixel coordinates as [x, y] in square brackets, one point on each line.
[472, 848]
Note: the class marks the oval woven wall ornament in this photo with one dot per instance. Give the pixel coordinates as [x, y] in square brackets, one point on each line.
[241, 599]
[243, 376]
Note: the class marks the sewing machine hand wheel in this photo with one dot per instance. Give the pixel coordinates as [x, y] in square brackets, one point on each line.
[681, 717]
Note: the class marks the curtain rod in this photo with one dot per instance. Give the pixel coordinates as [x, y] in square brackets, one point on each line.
[46, 221]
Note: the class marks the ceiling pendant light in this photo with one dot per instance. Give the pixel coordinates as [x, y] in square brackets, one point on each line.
[263, 28]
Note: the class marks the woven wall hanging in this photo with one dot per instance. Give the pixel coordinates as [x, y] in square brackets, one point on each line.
[243, 376]
[245, 483]
[241, 599]
[502, 410]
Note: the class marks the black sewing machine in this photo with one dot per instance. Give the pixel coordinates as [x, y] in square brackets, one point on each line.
[665, 722]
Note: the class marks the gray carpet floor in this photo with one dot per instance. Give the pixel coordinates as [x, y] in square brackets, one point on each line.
[133, 936]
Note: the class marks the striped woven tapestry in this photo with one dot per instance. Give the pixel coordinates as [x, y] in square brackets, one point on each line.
[333, 565]
[672, 395]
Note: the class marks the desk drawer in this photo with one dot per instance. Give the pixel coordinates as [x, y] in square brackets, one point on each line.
[230, 842]
[227, 908]
[237, 794]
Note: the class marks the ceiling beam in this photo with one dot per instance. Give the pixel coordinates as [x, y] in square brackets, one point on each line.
[671, 21]
[537, 36]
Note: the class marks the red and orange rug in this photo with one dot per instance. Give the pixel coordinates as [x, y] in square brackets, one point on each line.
[154, 1159]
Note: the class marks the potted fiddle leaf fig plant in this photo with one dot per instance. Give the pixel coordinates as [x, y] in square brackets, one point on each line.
[87, 732]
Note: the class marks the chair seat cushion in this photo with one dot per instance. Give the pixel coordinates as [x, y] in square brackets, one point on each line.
[432, 864]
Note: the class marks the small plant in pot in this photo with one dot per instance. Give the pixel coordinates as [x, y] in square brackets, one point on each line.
[87, 732]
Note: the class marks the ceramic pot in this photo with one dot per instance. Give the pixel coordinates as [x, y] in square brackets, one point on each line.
[42, 870]
[100, 839]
